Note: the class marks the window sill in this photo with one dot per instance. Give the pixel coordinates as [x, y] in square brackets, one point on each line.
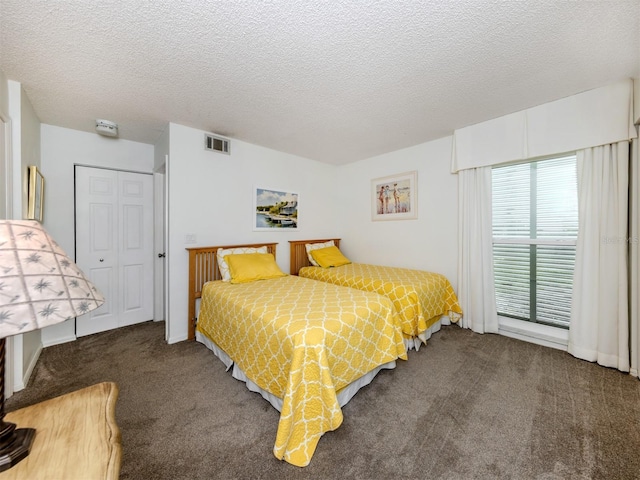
[545, 335]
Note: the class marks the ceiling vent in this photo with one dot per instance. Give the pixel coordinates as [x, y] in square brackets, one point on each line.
[216, 144]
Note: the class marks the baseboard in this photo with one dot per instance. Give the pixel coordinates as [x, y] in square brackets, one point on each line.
[57, 341]
[29, 370]
[181, 338]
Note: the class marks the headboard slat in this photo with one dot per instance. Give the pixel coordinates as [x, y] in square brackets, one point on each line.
[203, 268]
[298, 253]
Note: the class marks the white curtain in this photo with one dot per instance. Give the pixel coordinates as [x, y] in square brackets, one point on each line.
[634, 260]
[599, 327]
[476, 290]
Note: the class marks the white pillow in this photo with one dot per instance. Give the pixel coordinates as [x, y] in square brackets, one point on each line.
[314, 246]
[222, 264]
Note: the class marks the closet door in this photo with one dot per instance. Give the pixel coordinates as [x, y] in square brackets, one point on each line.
[114, 245]
[135, 242]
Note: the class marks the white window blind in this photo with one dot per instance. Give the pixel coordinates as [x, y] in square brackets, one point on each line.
[535, 227]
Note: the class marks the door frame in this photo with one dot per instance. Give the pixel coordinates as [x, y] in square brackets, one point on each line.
[159, 246]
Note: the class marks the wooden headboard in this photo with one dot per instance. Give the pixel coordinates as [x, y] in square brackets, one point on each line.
[298, 253]
[203, 267]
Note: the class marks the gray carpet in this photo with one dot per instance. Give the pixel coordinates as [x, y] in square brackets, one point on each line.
[464, 406]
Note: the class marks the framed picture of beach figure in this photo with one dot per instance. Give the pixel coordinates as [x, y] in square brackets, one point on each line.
[274, 210]
[395, 197]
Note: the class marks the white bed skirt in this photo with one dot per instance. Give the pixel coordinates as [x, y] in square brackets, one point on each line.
[344, 395]
[416, 342]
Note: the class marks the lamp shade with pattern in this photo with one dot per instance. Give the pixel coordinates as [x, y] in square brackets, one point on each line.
[39, 286]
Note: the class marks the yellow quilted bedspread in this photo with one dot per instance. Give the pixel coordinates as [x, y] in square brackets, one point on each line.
[302, 341]
[420, 297]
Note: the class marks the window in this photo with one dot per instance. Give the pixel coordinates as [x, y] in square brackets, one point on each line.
[535, 227]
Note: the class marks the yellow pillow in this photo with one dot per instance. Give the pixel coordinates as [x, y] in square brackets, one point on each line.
[309, 247]
[223, 252]
[248, 267]
[329, 257]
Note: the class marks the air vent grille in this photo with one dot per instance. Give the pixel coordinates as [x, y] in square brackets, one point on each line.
[216, 144]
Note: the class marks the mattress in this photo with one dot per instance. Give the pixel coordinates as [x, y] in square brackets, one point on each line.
[303, 342]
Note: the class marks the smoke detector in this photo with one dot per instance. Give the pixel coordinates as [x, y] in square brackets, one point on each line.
[107, 128]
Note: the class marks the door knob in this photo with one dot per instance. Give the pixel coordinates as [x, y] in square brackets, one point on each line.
[102, 259]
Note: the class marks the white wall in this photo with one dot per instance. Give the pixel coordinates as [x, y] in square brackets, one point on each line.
[15, 112]
[29, 145]
[636, 101]
[62, 148]
[4, 95]
[24, 150]
[5, 166]
[429, 242]
[6, 206]
[211, 197]
[30, 155]
[161, 150]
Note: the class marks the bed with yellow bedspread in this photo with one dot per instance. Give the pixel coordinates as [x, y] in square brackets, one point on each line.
[421, 298]
[302, 341]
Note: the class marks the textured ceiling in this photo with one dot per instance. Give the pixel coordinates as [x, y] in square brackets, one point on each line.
[335, 81]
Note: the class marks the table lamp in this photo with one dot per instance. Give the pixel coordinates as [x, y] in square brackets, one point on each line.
[39, 286]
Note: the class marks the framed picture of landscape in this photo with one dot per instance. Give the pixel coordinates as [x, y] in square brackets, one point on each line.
[274, 210]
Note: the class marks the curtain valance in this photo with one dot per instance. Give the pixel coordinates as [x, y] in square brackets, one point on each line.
[596, 117]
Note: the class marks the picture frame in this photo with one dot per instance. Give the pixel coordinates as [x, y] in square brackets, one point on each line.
[35, 194]
[395, 197]
[275, 210]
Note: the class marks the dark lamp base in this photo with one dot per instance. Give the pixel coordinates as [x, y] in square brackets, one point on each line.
[16, 448]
